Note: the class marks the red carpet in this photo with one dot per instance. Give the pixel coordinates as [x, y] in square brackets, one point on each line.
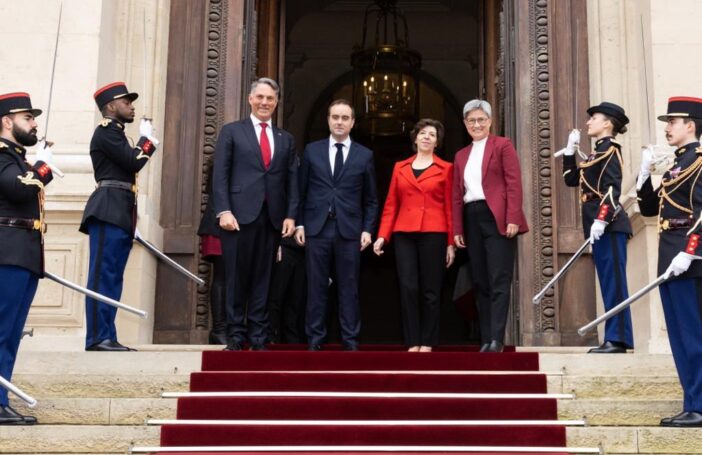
[368, 361]
[367, 382]
[389, 371]
[382, 347]
[332, 408]
[224, 435]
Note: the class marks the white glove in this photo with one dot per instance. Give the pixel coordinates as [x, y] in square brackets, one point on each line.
[646, 163]
[44, 153]
[681, 262]
[146, 129]
[596, 230]
[137, 233]
[573, 140]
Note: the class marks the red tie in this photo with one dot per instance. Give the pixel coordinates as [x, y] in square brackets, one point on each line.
[265, 146]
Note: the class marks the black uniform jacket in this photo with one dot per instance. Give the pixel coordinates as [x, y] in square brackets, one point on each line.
[114, 159]
[678, 203]
[600, 181]
[21, 198]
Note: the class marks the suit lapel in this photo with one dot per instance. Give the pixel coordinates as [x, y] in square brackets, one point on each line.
[431, 171]
[324, 156]
[489, 148]
[250, 133]
[408, 174]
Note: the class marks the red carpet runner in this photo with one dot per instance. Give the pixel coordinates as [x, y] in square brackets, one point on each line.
[370, 394]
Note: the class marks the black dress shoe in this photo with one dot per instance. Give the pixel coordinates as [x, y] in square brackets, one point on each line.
[485, 347]
[233, 346]
[117, 343]
[314, 347]
[687, 419]
[609, 347]
[495, 346]
[665, 421]
[217, 338]
[258, 347]
[8, 416]
[108, 346]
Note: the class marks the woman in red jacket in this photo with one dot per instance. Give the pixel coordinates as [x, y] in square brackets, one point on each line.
[418, 212]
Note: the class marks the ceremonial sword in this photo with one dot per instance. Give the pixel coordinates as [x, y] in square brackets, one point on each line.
[538, 297]
[95, 295]
[4, 383]
[170, 262]
[53, 168]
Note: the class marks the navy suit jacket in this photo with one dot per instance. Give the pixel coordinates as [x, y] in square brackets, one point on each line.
[241, 183]
[353, 192]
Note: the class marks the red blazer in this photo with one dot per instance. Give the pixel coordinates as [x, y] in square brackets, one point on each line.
[502, 184]
[418, 204]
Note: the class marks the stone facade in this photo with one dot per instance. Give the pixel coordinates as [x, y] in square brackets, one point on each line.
[634, 50]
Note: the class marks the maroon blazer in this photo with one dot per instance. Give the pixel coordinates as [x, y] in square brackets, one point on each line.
[502, 184]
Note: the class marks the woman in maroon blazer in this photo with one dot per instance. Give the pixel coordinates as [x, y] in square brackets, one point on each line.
[418, 212]
[487, 217]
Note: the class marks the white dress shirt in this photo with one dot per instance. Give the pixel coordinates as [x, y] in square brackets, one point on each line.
[269, 132]
[473, 174]
[332, 150]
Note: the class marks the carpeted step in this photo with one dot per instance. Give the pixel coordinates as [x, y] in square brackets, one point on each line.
[217, 381]
[258, 435]
[382, 347]
[368, 361]
[324, 408]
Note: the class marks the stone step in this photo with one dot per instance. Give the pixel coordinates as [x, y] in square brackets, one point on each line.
[135, 411]
[63, 385]
[99, 439]
[98, 411]
[636, 387]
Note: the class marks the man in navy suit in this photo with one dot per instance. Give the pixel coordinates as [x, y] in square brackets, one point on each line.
[338, 212]
[256, 200]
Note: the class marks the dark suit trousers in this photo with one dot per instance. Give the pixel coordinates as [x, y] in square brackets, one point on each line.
[421, 261]
[287, 297]
[249, 255]
[323, 250]
[491, 257]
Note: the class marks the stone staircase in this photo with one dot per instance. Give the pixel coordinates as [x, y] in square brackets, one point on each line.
[96, 403]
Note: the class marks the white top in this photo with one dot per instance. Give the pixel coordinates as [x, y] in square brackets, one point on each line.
[332, 150]
[269, 132]
[473, 174]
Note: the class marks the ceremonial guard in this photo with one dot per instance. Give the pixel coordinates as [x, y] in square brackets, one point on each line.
[21, 231]
[111, 213]
[600, 180]
[678, 203]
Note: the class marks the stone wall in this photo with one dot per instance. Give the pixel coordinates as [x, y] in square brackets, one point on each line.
[99, 42]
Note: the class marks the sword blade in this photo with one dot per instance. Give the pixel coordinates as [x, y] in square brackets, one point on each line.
[97, 296]
[622, 306]
[4, 383]
[170, 262]
[53, 73]
[538, 297]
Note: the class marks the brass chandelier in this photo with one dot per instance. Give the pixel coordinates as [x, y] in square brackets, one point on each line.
[385, 74]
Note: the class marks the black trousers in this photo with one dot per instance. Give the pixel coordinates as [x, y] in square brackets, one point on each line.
[421, 261]
[287, 297]
[491, 257]
[249, 254]
[325, 252]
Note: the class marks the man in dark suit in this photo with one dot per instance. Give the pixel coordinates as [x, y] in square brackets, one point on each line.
[487, 217]
[256, 197]
[338, 212]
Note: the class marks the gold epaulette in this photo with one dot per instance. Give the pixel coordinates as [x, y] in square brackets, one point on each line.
[105, 122]
[698, 150]
[3, 145]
